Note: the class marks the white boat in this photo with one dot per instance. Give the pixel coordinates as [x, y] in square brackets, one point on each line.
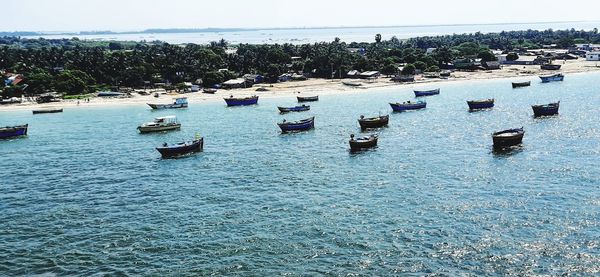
[180, 102]
[160, 124]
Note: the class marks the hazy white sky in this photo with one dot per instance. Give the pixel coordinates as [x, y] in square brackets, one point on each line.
[119, 15]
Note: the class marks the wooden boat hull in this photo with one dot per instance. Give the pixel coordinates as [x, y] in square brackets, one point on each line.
[13, 131]
[47, 111]
[352, 84]
[232, 102]
[181, 149]
[293, 109]
[553, 78]
[398, 107]
[154, 129]
[508, 138]
[302, 125]
[308, 99]
[363, 143]
[480, 105]
[420, 93]
[545, 110]
[209, 90]
[372, 123]
[521, 84]
[167, 106]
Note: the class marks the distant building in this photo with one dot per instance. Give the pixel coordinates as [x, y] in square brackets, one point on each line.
[370, 74]
[592, 56]
[353, 74]
[491, 65]
[235, 83]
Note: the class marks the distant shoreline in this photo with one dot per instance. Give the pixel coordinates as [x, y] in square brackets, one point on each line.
[321, 87]
[229, 30]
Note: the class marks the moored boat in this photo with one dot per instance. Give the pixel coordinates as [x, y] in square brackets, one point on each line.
[294, 109]
[508, 137]
[521, 84]
[373, 122]
[182, 148]
[480, 104]
[300, 125]
[241, 101]
[419, 93]
[13, 131]
[352, 84]
[160, 124]
[408, 106]
[546, 110]
[55, 110]
[549, 66]
[552, 78]
[308, 98]
[179, 103]
[209, 90]
[361, 143]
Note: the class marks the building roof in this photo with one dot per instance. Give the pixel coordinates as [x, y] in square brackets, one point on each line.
[238, 81]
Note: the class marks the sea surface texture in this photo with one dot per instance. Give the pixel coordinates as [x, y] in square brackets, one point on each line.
[86, 194]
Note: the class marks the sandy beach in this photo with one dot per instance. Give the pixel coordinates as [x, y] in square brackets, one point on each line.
[322, 86]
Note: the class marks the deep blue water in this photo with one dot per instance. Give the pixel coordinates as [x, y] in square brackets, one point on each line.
[84, 193]
[311, 35]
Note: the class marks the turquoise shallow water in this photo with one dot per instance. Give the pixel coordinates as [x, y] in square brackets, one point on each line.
[85, 193]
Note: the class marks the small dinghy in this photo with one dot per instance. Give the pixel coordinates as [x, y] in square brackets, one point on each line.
[507, 138]
[366, 142]
[373, 122]
[49, 110]
[308, 98]
[296, 126]
[408, 106]
[480, 104]
[13, 131]
[294, 109]
[546, 110]
[180, 149]
[419, 93]
[521, 84]
[241, 101]
[552, 78]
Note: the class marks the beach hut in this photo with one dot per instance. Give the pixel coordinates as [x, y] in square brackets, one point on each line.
[592, 56]
[370, 75]
[491, 65]
[353, 74]
[285, 77]
[235, 83]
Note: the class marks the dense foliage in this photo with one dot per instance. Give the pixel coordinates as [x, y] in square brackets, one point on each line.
[73, 66]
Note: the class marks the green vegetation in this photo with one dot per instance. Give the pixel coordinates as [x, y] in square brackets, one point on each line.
[75, 67]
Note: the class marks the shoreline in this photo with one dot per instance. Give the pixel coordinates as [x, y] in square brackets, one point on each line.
[321, 87]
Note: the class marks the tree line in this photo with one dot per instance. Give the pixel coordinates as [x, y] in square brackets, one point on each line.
[73, 66]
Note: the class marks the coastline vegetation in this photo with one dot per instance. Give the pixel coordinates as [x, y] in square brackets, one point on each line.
[76, 67]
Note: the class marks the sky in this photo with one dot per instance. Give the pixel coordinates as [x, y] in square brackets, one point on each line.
[134, 15]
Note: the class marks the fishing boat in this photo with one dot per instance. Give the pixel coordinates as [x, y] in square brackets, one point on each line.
[294, 109]
[209, 90]
[521, 84]
[549, 66]
[480, 104]
[508, 138]
[13, 131]
[419, 93]
[183, 148]
[408, 106]
[241, 101]
[352, 84]
[546, 110]
[180, 102]
[160, 124]
[300, 125]
[361, 143]
[55, 110]
[552, 78]
[308, 98]
[373, 122]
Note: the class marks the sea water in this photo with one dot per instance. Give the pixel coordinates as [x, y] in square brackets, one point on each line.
[85, 193]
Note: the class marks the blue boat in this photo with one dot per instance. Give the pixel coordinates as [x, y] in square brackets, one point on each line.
[13, 131]
[183, 148]
[480, 104]
[301, 125]
[241, 101]
[552, 78]
[419, 93]
[546, 110]
[294, 109]
[408, 106]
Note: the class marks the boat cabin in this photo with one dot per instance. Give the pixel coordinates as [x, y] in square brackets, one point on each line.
[181, 101]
